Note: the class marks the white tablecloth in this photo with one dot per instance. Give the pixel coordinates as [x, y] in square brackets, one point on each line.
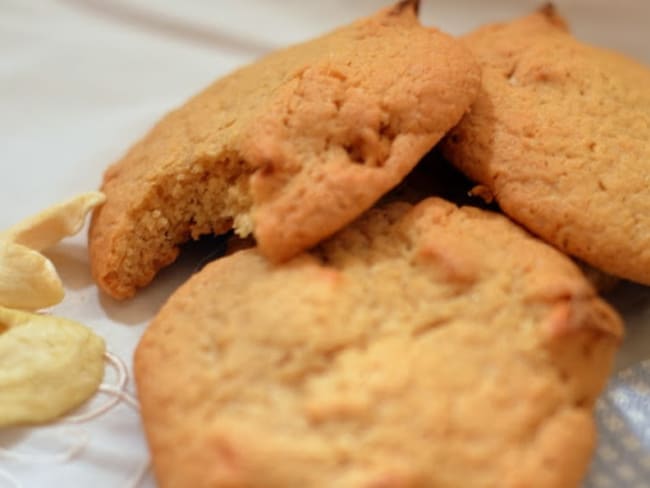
[80, 80]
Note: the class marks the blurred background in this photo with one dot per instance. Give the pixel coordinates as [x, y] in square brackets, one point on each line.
[82, 79]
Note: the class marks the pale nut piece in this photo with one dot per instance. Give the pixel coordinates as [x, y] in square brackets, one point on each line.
[48, 227]
[48, 366]
[28, 280]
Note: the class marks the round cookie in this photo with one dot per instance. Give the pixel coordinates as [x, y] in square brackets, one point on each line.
[426, 346]
[289, 149]
[559, 135]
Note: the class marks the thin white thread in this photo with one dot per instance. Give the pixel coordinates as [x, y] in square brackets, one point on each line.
[4, 475]
[72, 450]
[139, 475]
[122, 395]
[129, 400]
[118, 393]
[122, 377]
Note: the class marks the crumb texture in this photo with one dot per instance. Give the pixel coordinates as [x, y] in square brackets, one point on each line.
[425, 346]
[289, 149]
[559, 134]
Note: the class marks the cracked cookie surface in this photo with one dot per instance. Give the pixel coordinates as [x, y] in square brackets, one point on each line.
[289, 149]
[559, 135]
[421, 346]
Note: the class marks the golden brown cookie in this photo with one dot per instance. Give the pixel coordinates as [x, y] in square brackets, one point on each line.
[559, 135]
[425, 346]
[289, 149]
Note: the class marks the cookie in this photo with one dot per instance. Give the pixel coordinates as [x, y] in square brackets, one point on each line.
[425, 345]
[435, 176]
[559, 135]
[289, 149]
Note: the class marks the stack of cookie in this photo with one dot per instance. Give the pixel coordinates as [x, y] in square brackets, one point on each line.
[406, 343]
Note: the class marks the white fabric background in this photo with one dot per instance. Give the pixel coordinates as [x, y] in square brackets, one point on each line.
[80, 80]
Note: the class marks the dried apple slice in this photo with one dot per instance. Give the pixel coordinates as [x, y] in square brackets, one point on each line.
[28, 280]
[48, 366]
[48, 227]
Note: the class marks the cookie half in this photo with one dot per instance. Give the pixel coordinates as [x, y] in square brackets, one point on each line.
[559, 135]
[289, 149]
[426, 346]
